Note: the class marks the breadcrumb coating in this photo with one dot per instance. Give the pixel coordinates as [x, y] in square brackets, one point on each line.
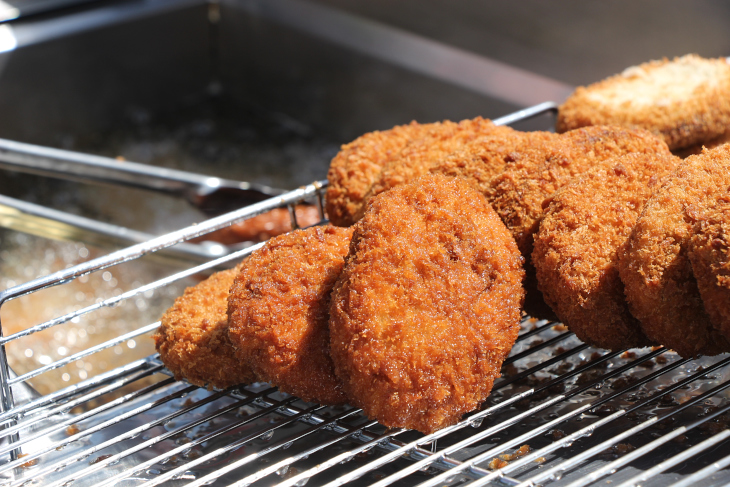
[685, 101]
[488, 156]
[709, 252]
[428, 305]
[654, 265]
[575, 251]
[520, 193]
[354, 169]
[193, 336]
[279, 309]
[435, 144]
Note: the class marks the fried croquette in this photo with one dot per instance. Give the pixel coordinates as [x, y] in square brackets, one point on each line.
[437, 143]
[262, 227]
[193, 336]
[279, 310]
[484, 159]
[655, 268]
[488, 156]
[519, 194]
[427, 306]
[575, 250]
[354, 169]
[685, 101]
[709, 253]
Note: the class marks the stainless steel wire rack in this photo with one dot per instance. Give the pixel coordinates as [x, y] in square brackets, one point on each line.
[561, 414]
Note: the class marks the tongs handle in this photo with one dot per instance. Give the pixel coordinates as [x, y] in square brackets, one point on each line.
[58, 163]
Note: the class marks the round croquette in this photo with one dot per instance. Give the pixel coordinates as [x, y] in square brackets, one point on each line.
[193, 336]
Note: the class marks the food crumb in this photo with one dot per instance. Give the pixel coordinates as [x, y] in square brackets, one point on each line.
[521, 452]
[496, 464]
[72, 430]
[29, 463]
[557, 434]
[99, 459]
[624, 448]
[540, 460]
[560, 327]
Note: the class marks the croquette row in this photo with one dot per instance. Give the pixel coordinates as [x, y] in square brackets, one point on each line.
[621, 250]
[407, 315]
[579, 196]
[629, 245]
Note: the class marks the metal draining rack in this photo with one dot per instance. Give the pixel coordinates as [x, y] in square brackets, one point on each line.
[562, 413]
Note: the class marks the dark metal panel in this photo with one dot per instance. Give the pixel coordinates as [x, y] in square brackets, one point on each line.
[316, 78]
[82, 73]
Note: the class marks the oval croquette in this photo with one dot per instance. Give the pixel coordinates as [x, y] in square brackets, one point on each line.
[358, 164]
[435, 144]
[709, 252]
[685, 101]
[193, 337]
[519, 194]
[575, 251]
[654, 265]
[279, 310]
[427, 306]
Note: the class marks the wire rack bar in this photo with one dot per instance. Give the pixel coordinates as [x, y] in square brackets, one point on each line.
[556, 471]
[152, 441]
[677, 459]
[59, 427]
[89, 351]
[61, 396]
[79, 401]
[612, 467]
[219, 451]
[702, 474]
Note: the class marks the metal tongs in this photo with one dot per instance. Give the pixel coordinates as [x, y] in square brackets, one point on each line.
[212, 195]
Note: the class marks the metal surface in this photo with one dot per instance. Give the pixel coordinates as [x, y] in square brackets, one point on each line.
[588, 417]
[210, 194]
[412, 52]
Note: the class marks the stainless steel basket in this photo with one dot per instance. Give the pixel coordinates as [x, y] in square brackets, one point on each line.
[561, 414]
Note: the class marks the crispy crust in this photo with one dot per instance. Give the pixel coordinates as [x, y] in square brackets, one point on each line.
[686, 101]
[488, 156]
[193, 336]
[709, 252]
[428, 305]
[354, 169]
[278, 309]
[575, 251]
[435, 144]
[654, 266]
[482, 160]
[521, 192]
